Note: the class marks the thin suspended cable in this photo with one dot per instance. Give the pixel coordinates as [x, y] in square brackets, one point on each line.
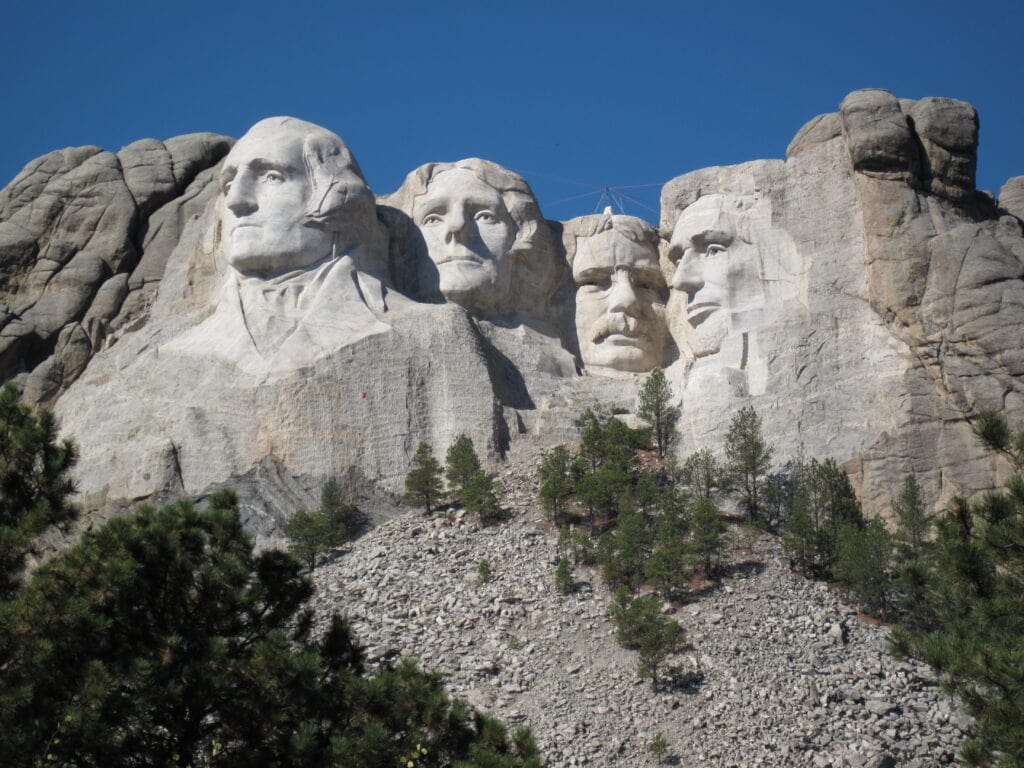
[574, 197]
[646, 207]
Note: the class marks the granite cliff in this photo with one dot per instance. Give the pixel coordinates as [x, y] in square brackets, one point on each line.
[202, 312]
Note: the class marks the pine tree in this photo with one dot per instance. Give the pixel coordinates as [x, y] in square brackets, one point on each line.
[461, 464]
[34, 482]
[668, 567]
[708, 534]
[748, 458]
[968, 620]
[913, 521]
[702, 474]
[334, 523]
[863, 562]
[163, 639]
[480, 496]
[555, 482]
[625, 550]
[655, 408]
[423, 483]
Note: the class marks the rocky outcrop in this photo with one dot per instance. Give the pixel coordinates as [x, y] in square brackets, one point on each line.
[73, 227]
[778, 670]
[861, 294]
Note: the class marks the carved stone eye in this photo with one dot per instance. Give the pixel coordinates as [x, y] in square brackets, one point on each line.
[432, 218]
[713, 249]
[487, 217]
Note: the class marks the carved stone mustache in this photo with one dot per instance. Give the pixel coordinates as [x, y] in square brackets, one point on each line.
[612, 324]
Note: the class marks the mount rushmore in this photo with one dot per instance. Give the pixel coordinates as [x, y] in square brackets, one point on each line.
[203, 312]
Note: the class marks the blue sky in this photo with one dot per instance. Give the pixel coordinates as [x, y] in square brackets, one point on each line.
[575, 96]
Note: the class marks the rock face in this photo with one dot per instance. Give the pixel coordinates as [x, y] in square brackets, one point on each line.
[261, 320]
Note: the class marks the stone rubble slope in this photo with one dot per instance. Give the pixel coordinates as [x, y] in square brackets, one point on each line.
[781, 684]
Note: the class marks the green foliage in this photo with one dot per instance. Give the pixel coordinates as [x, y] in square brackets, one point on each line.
[480, 496]
[564, 581]
[967, 607]
[34, 482]
[484, 572]
[578, 546]
[423, 483]
[163, 639]
[668, 568]
[655, 408]
[913, 520]
[863, 559]
[823, 502]
[334, 523]
[659, 747]
[461, 464]
[624, 551]
[556, 482]
[748, 458]
[702, 474]
[641, 626]
[708, 534]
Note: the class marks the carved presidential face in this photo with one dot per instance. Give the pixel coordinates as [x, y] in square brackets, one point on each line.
[468, 233]
[716, 271]
[620, 303]
[267, 190]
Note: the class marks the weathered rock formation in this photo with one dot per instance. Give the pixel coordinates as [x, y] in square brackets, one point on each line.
[258, 321]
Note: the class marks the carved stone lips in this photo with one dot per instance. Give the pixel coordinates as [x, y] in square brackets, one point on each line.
[459, 258]
[697, 313]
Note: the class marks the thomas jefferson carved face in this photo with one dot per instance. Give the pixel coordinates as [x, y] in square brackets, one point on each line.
[468, 233]
[620, 302]
[716, 270]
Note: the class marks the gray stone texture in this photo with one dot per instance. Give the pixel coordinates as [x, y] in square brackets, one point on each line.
[890, 315]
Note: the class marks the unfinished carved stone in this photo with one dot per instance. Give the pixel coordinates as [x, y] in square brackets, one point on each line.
[620, 292]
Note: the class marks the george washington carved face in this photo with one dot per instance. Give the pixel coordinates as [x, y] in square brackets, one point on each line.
[292, 194]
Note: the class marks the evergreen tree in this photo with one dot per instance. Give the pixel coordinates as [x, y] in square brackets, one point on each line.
[163, 639]
[863, 561]
[564, 581]
[655, 408]
[702, 474]
[708, 535]
[968, 621]
[668, 567]
[641, 626]
[480, 496]
[625, 550]
[823, 502]
[555, 482]
[423, 483]
[913, 521]
[334, 523]
[748, 458]
[34, 482]
[461, 464]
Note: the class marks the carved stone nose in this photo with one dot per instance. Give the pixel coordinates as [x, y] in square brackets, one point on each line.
[239, 198]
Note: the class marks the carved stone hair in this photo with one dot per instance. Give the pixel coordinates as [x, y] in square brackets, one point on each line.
[630, 227]
[531, 232]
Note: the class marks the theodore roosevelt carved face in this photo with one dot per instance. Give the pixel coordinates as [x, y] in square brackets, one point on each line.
[293, 195]
[620, 292]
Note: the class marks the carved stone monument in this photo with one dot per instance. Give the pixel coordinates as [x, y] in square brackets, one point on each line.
[204, 313]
